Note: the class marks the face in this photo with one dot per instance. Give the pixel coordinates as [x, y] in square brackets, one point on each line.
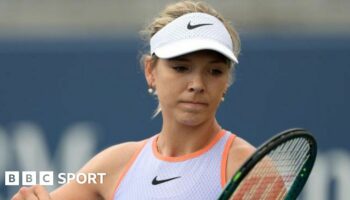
[189, 87]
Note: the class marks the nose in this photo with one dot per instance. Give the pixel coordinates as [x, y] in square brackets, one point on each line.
[196, 84]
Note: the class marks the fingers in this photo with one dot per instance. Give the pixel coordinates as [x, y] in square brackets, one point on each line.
[17, 196]
[41, 192]
[25, 193]
[36, 192]
[28, 193]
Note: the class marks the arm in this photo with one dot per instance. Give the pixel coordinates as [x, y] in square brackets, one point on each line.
[110, 161]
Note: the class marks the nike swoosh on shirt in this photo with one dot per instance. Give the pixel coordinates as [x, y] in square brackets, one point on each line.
[190, 26]
[156, 182]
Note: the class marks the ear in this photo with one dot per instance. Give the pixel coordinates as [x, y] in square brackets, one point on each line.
[227, 87]
[149, 71]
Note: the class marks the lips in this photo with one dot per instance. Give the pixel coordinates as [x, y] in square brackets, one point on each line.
[193, 105]
[194, 102]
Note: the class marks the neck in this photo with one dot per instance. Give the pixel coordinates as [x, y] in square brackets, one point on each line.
[177, 140]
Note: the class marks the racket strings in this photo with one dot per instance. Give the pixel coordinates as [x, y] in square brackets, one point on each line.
[289, 171]
[273, 176]
[252, 184]
[255, 187]
[298, 157]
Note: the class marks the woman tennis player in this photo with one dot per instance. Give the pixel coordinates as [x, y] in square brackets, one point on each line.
[190, 66]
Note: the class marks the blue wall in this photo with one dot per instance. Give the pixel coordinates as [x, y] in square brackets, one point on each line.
[280, 83]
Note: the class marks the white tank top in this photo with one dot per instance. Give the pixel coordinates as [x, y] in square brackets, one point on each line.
[199, 175]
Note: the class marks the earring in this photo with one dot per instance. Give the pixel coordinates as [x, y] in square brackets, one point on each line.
[223, 97]
[150, 90]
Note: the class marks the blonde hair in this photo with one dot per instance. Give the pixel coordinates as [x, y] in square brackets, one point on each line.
[175, 10]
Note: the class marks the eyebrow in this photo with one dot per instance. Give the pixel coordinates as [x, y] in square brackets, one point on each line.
[180, 58]
[219, 61]
[183, 58]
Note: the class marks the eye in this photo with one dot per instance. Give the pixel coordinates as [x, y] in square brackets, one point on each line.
[216, 71]
[180, 69]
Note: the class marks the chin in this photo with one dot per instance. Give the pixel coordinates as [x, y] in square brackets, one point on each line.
[191, 120]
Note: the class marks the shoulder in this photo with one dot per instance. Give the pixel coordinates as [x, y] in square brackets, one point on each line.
[239, 152]
[110, 161]
[114, 156]
[241, 149]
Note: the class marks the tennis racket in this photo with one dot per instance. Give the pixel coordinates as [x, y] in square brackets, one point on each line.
[278, 169]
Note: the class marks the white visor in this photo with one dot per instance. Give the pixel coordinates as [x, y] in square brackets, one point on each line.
[192, 32]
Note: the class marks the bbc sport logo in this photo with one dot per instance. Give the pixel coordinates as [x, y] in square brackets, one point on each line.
[28, 178]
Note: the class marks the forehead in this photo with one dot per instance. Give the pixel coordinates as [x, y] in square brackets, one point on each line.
[203, 54]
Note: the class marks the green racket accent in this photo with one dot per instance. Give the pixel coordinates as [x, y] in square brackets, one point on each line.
[236, 177]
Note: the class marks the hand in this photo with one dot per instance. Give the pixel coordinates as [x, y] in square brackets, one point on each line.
[36, 192]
